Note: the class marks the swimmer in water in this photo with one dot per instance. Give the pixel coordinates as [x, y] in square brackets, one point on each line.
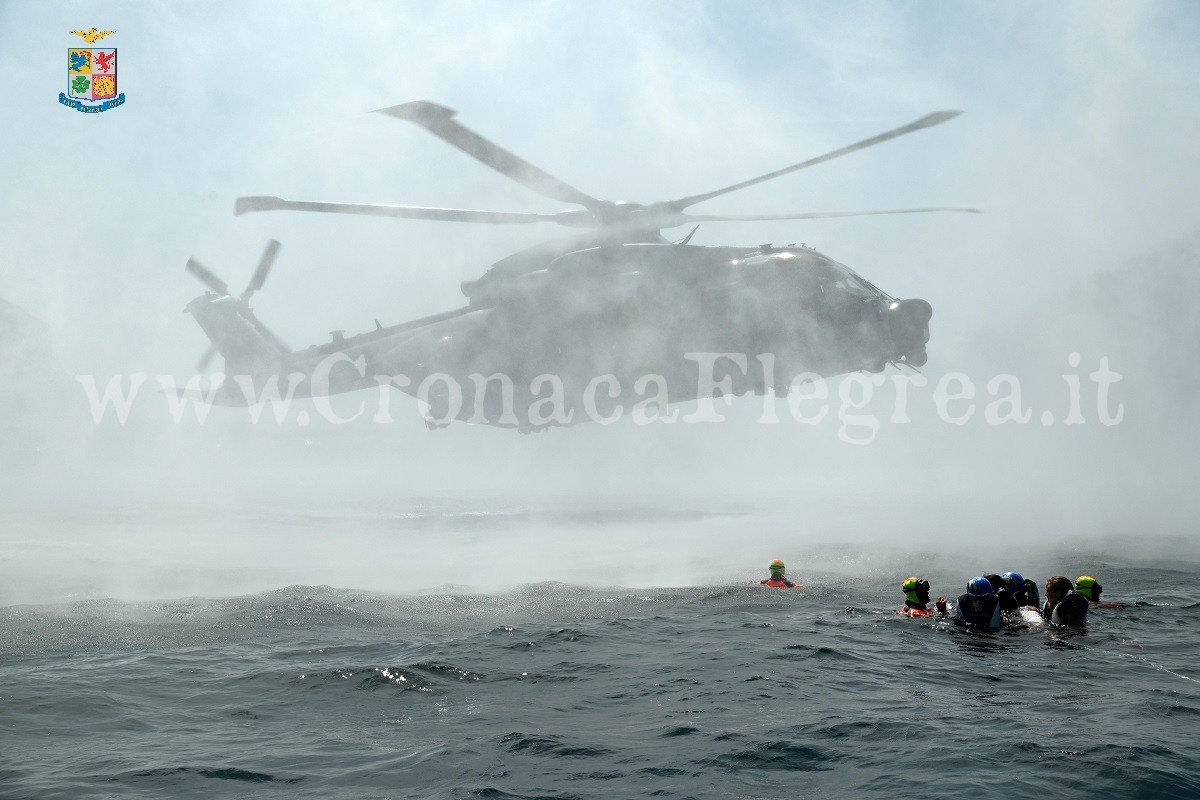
[1024, 591]
[1003, 595]
[777, 570]
[1064, 605]
[979, 607]
[1090, 588]
[916, 599]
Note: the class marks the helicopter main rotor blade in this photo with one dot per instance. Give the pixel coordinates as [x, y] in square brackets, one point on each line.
[246, 205]
[927, 121]
[264, 268]
[686, 218]
[439, 121]
[207, 277]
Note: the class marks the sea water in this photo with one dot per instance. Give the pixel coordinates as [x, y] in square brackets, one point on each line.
[556, 690]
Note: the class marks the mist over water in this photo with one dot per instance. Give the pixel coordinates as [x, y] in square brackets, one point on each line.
[156, 509]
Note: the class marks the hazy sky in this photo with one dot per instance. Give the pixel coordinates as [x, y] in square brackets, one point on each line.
[1079, 142]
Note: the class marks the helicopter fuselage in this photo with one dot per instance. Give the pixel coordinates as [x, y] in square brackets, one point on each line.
[636, 317]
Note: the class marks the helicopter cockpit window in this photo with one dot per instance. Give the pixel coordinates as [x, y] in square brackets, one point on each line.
[845, 281]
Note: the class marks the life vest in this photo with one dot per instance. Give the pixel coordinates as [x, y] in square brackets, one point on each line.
[1071, 610]
[909, 611]
[982, 611]
[780, 584]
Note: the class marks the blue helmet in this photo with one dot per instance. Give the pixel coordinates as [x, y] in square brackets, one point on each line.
[979, 585]
[1013, 580]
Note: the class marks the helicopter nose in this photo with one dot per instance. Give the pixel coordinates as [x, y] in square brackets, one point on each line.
[910, 329]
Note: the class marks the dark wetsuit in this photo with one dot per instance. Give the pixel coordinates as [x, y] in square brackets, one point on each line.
[980, 610]
[1028, 595]
[1071, 610]
[1003, 595]
[1006, 600]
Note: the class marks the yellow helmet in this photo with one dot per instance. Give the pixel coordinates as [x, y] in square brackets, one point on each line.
[914, 588]
[1089, 587]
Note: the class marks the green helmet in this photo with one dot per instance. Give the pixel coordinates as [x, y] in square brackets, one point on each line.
[1089, 587]
[916, 590]
[777, 567]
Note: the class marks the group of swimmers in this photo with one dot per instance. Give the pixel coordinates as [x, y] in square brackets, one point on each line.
[988, 597]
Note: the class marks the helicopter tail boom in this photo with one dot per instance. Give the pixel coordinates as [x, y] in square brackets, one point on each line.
[237, 335]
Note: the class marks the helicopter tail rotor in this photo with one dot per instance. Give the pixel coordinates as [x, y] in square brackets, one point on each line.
[228, 321]
[265, 263]
[207, 276]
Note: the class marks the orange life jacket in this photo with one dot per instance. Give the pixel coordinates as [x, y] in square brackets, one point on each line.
[784, 584]
[913, 612]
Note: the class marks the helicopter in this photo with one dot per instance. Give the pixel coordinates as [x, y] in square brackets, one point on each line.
[598, 318]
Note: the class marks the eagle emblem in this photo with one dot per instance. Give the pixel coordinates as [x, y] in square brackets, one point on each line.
[91, 35]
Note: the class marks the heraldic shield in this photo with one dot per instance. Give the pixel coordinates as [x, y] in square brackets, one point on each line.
[92, 73]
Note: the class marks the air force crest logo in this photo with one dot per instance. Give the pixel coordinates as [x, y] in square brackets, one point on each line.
[91, 75]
